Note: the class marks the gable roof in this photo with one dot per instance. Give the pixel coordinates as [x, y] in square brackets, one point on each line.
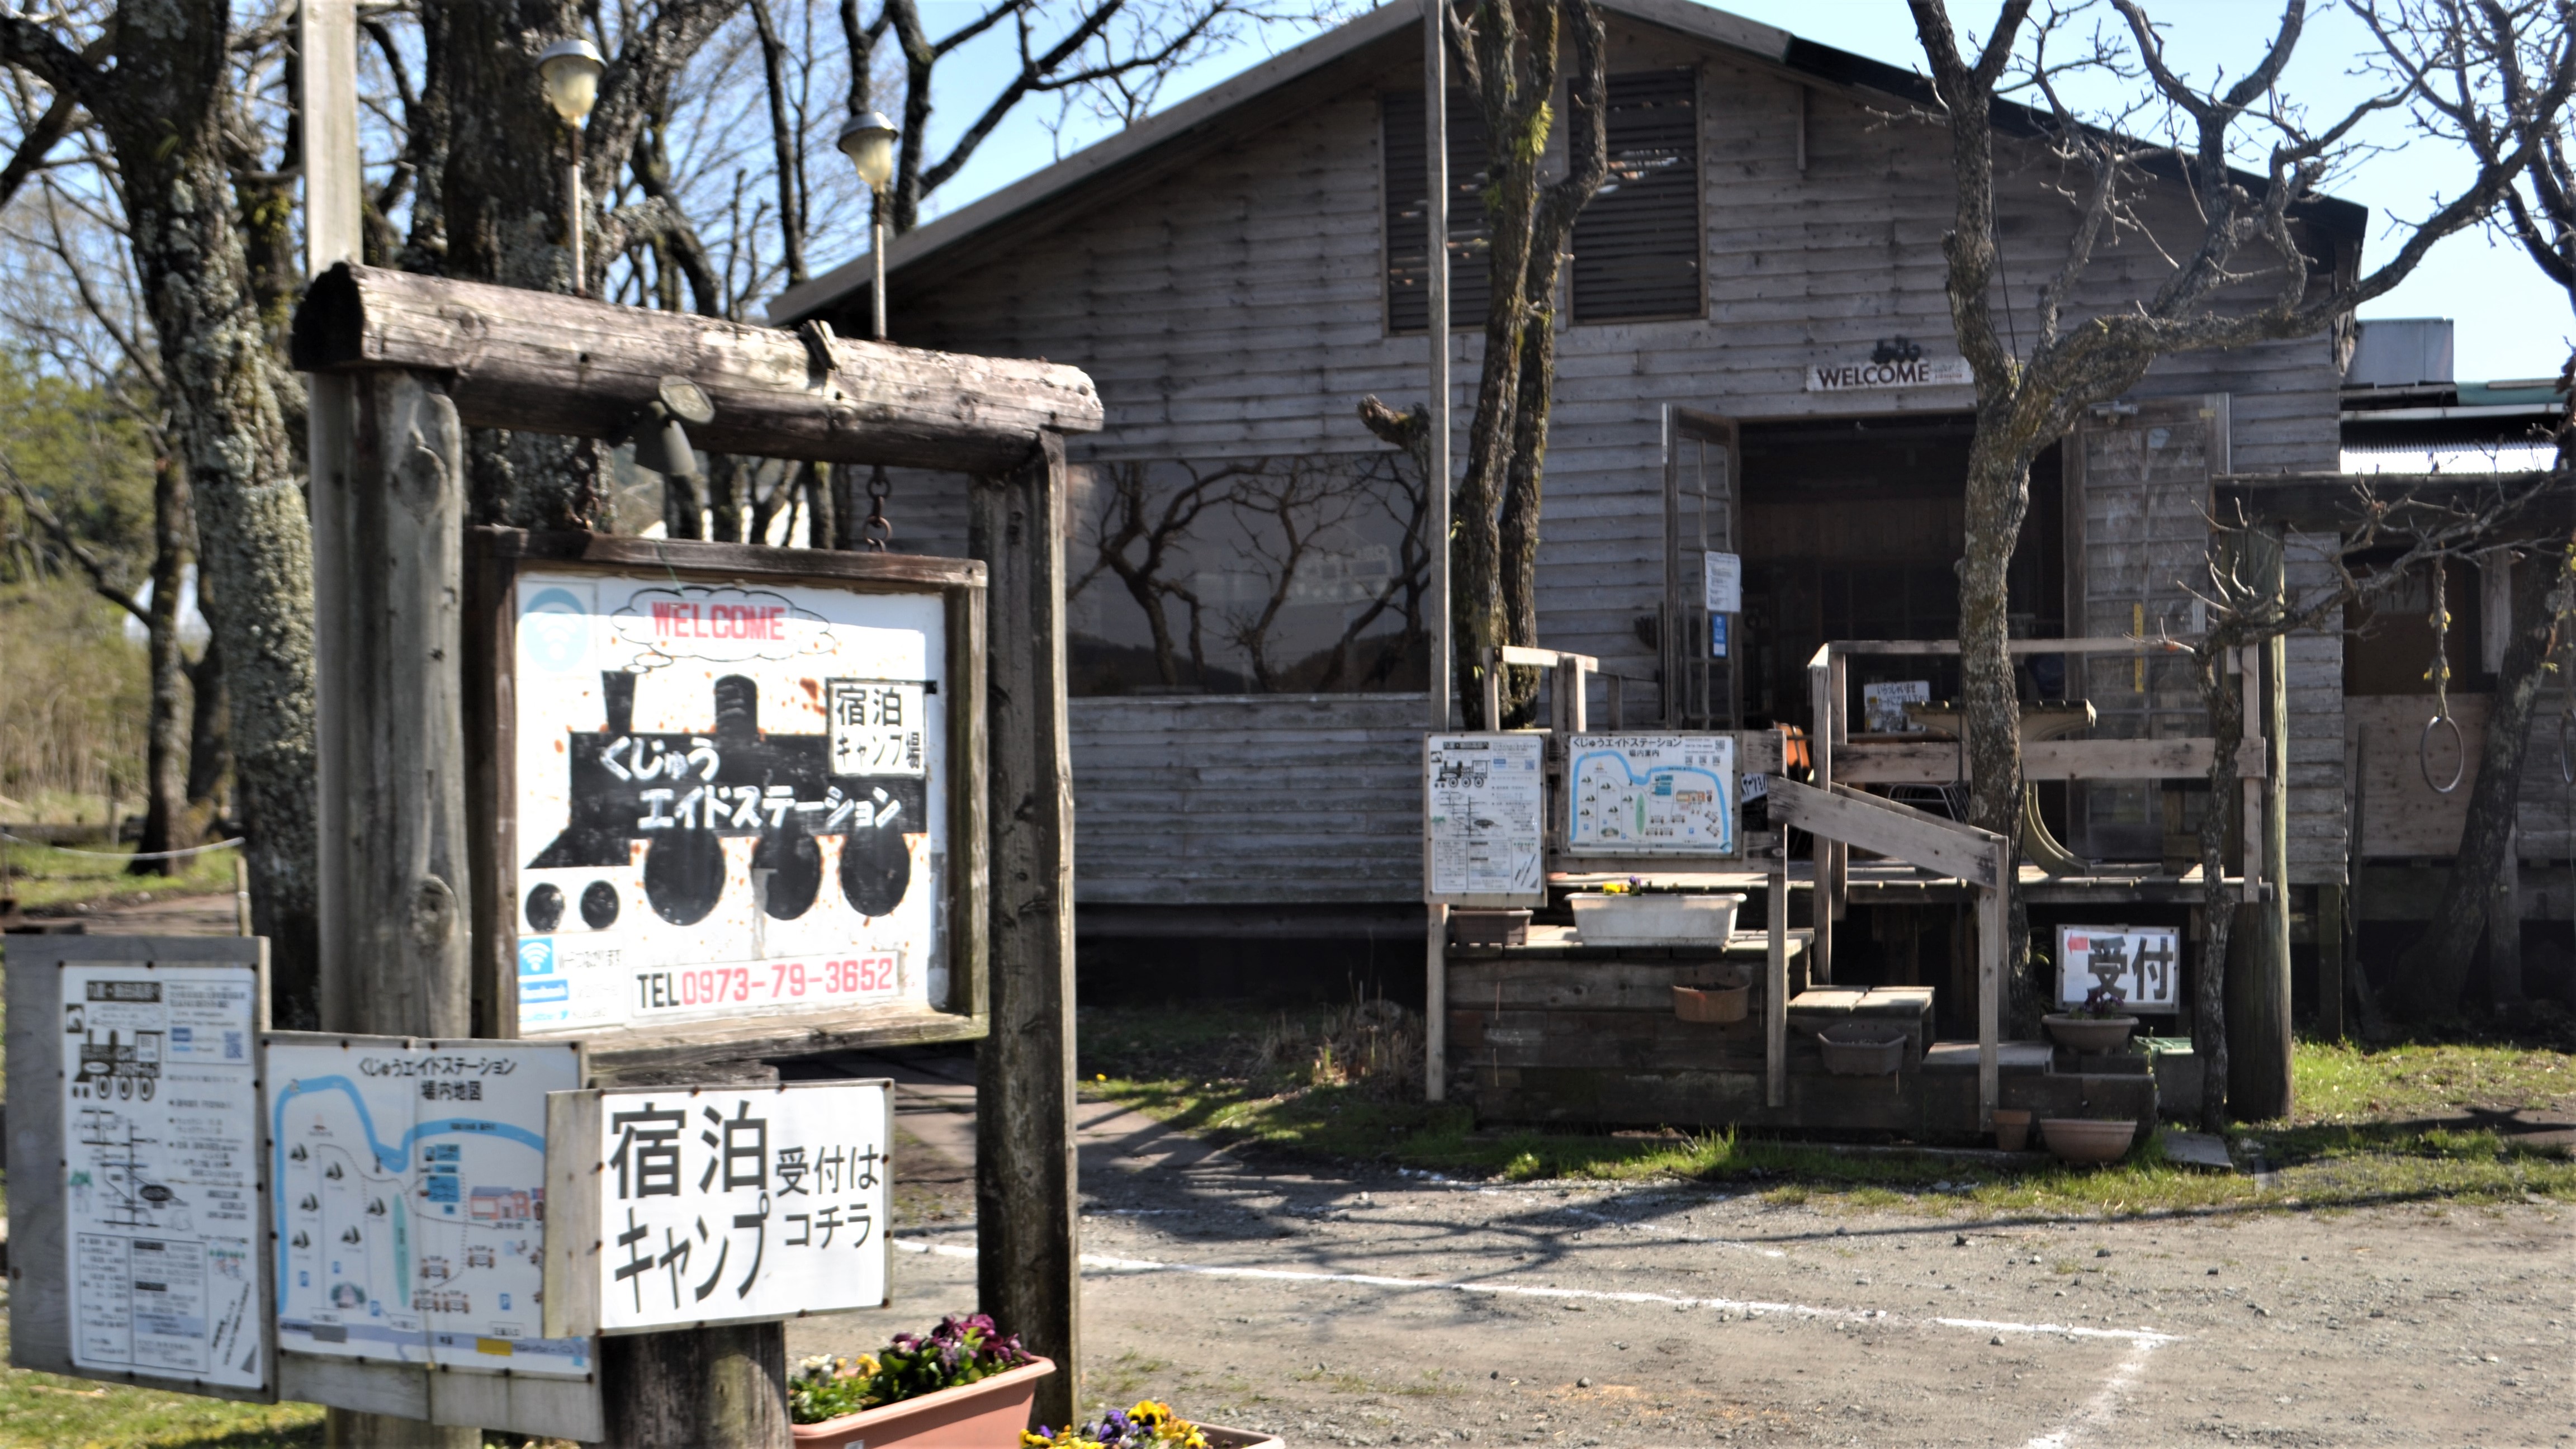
[1264, 91]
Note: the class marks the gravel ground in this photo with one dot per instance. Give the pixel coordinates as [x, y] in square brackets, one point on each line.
[1398, 1309]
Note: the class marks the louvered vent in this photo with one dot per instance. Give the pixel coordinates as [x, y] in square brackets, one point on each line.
[1637, 246]
[1408, 251]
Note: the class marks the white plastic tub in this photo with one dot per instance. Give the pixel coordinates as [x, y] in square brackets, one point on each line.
[1643, 920]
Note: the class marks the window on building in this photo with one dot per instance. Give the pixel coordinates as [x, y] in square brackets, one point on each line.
[1299, 574]
[1408, 249]
[1637, 247]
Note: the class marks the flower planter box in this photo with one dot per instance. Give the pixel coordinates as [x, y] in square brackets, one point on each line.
[1649, 920]
[2090, 1033]
[1862, 1049]
[986, 1414]
[1473, 929]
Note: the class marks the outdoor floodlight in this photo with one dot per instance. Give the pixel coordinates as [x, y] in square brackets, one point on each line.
[868, 141]
[659, 433]
[570, 70]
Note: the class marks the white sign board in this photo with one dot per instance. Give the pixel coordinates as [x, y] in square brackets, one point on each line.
[1651, 794]
[1898, 372]
[1722, 578]
[1484, 819]
[692, 1205]
[407, 1178]
[1884, 705]
[730, 801]
[2143, 962]
[161, 1171]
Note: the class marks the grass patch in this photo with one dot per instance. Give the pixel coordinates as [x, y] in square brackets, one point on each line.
[2373, 1126]
[46, 879]
[42, 1411]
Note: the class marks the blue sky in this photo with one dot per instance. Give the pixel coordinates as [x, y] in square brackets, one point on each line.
[2512, 321]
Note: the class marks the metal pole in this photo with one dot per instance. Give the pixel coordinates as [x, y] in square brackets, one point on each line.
[572, 218]
[877, 246]
[1435, 102]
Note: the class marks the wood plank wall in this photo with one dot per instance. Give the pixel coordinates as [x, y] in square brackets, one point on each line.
[1234, 307]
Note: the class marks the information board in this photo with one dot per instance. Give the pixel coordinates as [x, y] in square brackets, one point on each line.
[730, 800]
[407, 1181]
[1484, 817]
[692, 1205]
[2144, 963]
[160, 1145]
[1651, 795]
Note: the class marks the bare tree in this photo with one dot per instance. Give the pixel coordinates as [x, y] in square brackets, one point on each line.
[2244, 275]
[2482, 75]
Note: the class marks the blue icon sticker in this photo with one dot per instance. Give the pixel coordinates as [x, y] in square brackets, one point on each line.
[537, 957]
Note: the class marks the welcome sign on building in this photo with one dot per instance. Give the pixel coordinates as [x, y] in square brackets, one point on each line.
[1894, 372]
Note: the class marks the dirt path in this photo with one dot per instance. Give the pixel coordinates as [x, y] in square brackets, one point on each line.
[1385, 1309]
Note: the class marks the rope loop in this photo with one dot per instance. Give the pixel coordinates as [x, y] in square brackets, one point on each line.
[2424, 753]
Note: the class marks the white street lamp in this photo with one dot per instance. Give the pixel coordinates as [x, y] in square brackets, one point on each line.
[868, 140]
[570, 71]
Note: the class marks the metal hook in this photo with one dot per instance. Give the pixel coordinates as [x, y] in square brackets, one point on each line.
[2424, 753]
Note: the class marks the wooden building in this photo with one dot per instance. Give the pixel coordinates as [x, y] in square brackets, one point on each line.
[1753, 322]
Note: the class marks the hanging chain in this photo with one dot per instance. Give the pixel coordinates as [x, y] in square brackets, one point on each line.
[877, 531]
[2440, 674]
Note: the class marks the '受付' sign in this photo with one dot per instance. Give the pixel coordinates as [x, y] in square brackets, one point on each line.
[717, 1204]
[2142, 963]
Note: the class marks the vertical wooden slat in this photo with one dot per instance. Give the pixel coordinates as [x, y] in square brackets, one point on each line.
[1820, 754]
[1435, 1004]
[1775, 980]
[1027, 1267]
[1990, 982]
[2330, 962]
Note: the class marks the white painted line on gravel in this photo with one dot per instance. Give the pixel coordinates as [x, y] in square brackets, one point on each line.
[1749, 1307]
[2099, 1409]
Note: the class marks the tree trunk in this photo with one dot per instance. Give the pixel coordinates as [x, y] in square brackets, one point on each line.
[209, 752]
[2217, 903]
[2432, 972]
[165, 801]
[728, 481]
[822, 528]
[220, 376]
[501, 201]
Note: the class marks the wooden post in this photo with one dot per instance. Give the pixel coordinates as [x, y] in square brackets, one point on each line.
[1992, 908]
[696, 1388]
[1435, 1005]
[1435, 191]
[1493, 689]
[1614, 698]
[1820, 752]
[388, 500]
[1570, 690]
[2330, 962]
[2258, 974]
[1775, 980]
[1028, 1272]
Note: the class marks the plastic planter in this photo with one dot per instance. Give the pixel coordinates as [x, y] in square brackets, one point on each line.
[1604, 919]
[986, 1414]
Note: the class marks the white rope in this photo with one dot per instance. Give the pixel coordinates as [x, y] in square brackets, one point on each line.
[123, 855]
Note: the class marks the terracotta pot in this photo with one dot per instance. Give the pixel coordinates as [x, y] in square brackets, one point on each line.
[1711, 1003]
[2012, 1128]
[986, 1414]
[2083, 1139]
[2090, 1033]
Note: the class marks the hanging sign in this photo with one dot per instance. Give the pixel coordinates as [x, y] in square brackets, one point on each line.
[407, 1184]
[730, 799]
[1651, 794]
[160, 1164]
[1895, 372]
[1722, 578]
[1484, 811]
[2143, 963]
[680, 1206]
[1883, 705]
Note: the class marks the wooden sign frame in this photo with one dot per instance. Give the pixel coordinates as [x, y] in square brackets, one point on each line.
[40, 1306]
[495, 559]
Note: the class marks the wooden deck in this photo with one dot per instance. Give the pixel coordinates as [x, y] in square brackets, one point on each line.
[1558, 1031]
[1889, 883]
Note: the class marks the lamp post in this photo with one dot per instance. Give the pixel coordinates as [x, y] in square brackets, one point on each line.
[570, 71]
[868, 140]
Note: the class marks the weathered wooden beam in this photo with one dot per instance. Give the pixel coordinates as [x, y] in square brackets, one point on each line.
[547, 363]
[1888, 828]
[1938, 762]
[1028, 1269]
